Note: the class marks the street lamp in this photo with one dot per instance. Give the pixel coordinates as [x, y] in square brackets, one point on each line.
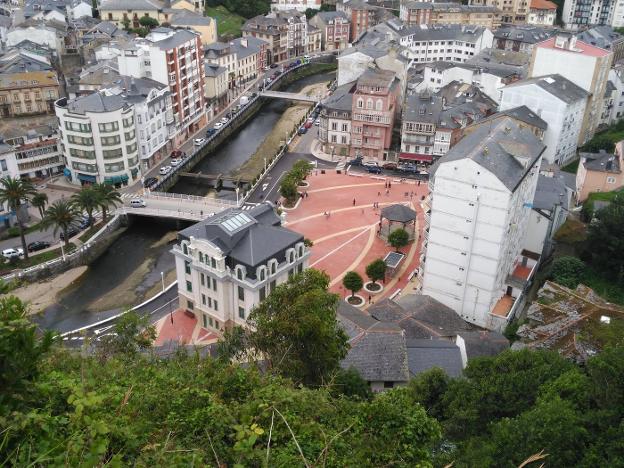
[62, 250]
[265, 165]
[162, 279]
[237, 190]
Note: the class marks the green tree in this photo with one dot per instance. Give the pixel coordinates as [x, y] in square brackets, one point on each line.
[568, 271]
[300, 170]
[87, 200]
[349, 382]
[310, 12]
[39, 200]
[132, 333]
[353, 282]
[62, 214]
[398, 239]
[21, 349]
[376, 270]
[288, 190]
[148, 22]
[295, 328]
[108, 198]
[15, 193]
[428, 389]
[606, 236]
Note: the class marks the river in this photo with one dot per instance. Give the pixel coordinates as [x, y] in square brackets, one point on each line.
[130, 269]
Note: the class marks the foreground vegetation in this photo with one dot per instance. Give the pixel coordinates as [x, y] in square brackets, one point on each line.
[122, 405]
[606, 139]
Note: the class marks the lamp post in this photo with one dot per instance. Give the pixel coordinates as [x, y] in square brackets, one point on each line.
[265, 165]
[237, 190]
[62, 250]
[162, 280]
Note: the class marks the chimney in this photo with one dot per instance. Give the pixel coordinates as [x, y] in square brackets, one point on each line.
[243, 42]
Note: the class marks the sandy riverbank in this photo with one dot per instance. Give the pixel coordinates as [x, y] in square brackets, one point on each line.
[43, 294]
[283, 128]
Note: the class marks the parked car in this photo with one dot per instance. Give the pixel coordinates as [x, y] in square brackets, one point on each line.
[174, 162]
[196, 142]
[84, 222]
[12, 253]
[370, 164]
[407, 167]
[317, 122]
[356, 161]
[210, 132]
[274, 65]
[138, 203]
[303, 131]
[266, 68]
[310, 119]
[389, 165]
[164, 170]
[218, 125]
[176, 154]
[149, 182]
[373, 169]
[308, 124]
[224, 120]
[38, 245]
[71, 232]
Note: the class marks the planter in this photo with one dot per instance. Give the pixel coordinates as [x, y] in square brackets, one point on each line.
[303, 183]
[369, 287]
[356, 301]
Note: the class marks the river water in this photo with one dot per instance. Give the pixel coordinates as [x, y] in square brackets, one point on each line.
[130, 269]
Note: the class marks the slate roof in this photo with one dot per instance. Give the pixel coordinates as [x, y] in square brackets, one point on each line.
[399, 213]
[213, 69]
[258, 237]
[135, 89]
[601, 162]
[600, 36]
[179, 37]
[329, 17]
[524, 33]
[144, 5]
[95, 102]
[254, 45]
[557, 85]
[522, 113]
[17, 61]
[480, 343]
[423, 354]
[341, 98]
[498, 148]
[550, 191]
[353, 320]
[182, 17]
[372, 52]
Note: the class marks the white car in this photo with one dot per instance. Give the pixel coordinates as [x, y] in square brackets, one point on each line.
[174, 161]
[164, 170]
[138, 203]
[196, 142]
[12, 253]
[317, 122]
[218, 125]
[224, 120]
[370, 164]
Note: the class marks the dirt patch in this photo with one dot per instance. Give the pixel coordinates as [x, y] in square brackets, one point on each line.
[43, 294]
[170, 277]
[288, 122]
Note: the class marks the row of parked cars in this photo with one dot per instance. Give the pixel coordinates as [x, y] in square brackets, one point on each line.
[375, 168]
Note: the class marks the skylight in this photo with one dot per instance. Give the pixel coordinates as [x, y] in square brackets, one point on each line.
[235, 222]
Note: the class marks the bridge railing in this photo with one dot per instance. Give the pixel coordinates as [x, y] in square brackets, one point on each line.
[191, 215]
[191, 198]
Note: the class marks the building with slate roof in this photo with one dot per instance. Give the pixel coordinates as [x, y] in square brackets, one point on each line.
[335, 29]
[335, 120]
[473, 258]
[520, 37]
[25, 93]
[599, 172]
[560, 103]
[231, 261]
[414, 13]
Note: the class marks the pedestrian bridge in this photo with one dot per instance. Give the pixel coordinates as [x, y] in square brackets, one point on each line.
[289, 96]
[176, 206]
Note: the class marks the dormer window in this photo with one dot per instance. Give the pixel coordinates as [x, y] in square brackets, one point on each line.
[262, 273]
[291, 256]
[300, 251]
[184, 249]
[240, 272]
[273, 267]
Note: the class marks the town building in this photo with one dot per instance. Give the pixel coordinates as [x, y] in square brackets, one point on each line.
[335, 29]
[476, 222]
[578, 14]
[314, 40]
[173, 57]
[299, 5]
[153, 112]
[8, 168]
[251, 54]
[51, 34]
[129, 12]
[335, 121]
[284, 31]
[205, 26]
[36, 152]
[522, 115]
[560, 103]
[28, 93]
[361, 16]
[232, 261]
[415, 13]
[216, 91]
[583, 64]
[604, 37]
[542, 13]
[520, 37]
[512, 11]
[616, 91]
[376, 101]
[98, 139]
[599, 172]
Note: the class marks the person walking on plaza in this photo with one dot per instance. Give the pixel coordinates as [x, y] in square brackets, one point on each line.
[354, 202]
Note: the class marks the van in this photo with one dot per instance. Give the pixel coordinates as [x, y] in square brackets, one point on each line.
[138, 203]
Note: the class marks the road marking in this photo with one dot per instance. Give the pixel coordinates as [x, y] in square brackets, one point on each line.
[360, 258]
[331, 252]
[276, 182]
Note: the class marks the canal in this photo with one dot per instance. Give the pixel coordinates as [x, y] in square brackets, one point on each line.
[130, 269]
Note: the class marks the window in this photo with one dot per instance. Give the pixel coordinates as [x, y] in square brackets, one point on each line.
[202, 279]
[262, 274]
[216, 304]
[369, 103]
[185, 249]
[80, 140]
[239, 273]
[78, 127]
[76, 153]
[128, 121]
[205, 321]
[108, 127]
[301, 251]
[360, 103]
[111, 140]
[262, 293]
[116, 167]
[213, 263]
[187, 267]
[291, 256]
[300, 268]
[189, 286]
[241, 294]
[204, 300]
[214, 284]
[241, 312]
[273, 267]
[190, 305]
[112, 154]
[610, 180]
[379, 105]
[3, 165]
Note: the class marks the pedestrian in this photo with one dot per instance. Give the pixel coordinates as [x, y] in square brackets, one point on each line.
[369, 299]
[379, 194]
[306, 194]
[325, 213]
[419, 183]
[354, 202]
[201, 213]
[389, 184]
[406, 194]
[387, 192]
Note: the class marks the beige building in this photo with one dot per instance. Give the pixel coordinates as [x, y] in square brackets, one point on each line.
[28, 93]
[315, 37]
[512, 11]
[415, 13]
[599, 172]
[216, 88]
[204, 25]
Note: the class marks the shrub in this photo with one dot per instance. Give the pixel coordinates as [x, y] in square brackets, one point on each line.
[567, 271]
[353, 282]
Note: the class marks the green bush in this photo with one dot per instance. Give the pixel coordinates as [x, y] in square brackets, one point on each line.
[13, 231]
[567, 271]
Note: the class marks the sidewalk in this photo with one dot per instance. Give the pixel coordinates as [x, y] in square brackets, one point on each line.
[318, 152]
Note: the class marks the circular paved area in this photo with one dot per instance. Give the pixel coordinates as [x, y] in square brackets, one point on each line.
[347, 239]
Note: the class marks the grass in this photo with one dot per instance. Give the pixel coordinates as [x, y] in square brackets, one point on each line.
[228, 24]
[90, 232]
[14, 232]
[571, 232]
[571, 167]
[608, 288]
[38, 258]
[603, 196]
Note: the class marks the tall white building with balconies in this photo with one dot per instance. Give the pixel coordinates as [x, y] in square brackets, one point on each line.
[98, 139]
[230, 262]
[480, 203]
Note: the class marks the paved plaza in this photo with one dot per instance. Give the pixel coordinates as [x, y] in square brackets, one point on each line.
[345, 234]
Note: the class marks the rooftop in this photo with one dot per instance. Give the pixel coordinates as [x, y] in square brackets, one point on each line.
[580, 48]
[557, 85]
[525, 33]
[543, 5]
[129, 5]
[601, 162]
[95, 102]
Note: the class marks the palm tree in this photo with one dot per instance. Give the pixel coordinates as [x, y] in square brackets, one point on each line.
[39, 201]
[108, 197]
[87, 200]
[62, 214]
[16, 192]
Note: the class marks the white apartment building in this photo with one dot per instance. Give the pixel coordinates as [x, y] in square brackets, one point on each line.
[8, 168]
[98, 139]
[153, 112]
[299, 5]
[617, 20]
[173, 57]
[577, 14]
[36, 152]
[560, 103]
[583, 64]
[616, 77]
[230, 262]
[479, 206]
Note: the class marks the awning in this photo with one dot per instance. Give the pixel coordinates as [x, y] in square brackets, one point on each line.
[86, 178]
[116, 179]
[416, 157]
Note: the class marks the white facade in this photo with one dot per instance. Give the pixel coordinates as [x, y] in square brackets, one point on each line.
[577, 14]
[435, 78]
[37, 154]
[299, 5]
[616, 76]
[8, 163]
[617, 21]
[351, 66]
[99, 142]
[41, 35]
[542, 17]
[564, 119]
[79, 10]
[451, 49]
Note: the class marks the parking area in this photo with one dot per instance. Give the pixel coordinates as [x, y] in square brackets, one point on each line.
[338, 216]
